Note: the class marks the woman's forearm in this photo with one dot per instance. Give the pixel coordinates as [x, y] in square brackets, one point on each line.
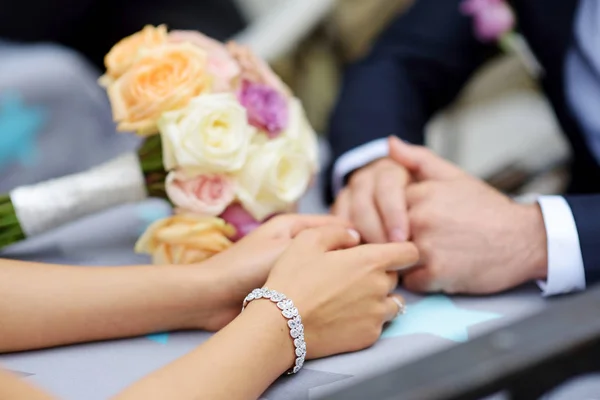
[48, 305]
[13, 388]
[238, 363]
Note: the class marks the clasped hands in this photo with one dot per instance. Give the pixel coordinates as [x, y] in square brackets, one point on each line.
[445, 230]
[471, 238]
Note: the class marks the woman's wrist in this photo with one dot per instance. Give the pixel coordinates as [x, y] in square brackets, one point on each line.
[201, 292]
[270, 327]
[221, 290]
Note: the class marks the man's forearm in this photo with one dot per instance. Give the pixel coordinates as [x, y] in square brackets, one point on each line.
[49, 305]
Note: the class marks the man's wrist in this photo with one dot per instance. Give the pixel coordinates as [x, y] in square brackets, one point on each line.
[533, 231]
[380, 164]
[373, 164]
[355, 159]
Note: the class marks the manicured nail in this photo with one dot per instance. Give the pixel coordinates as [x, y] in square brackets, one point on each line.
[355, 234]
[397, 235]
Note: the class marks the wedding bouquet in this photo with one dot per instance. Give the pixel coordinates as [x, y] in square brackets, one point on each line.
[226, 143]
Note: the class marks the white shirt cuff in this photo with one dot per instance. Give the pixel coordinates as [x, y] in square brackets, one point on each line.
[356, 158]
[566, 272]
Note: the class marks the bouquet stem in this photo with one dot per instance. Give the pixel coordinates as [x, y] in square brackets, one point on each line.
[31, 210]
[10, 229]
[151, 163]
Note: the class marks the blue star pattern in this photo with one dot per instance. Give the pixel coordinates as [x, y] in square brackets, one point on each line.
[161, 338]
[20, 126]
[437, 315]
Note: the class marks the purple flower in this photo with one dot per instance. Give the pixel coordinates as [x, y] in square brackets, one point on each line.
[243, 222]
[492, 18]
[267, 108]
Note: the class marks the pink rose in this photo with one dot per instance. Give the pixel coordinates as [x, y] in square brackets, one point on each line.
[207, 194]
[243, 222]
[221, 65]
[492, 18]
[255, 69]
[267, 108]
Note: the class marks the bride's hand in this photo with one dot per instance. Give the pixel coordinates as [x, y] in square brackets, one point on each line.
[246, 264]
[343, 293]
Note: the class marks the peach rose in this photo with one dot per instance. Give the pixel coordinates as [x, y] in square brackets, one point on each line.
[221, 65]
[122, 55]
[206, 194]
[185, 239]
[255, 69]
[160, 80]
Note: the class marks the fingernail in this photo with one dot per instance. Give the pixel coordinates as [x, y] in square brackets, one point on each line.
[397, 235]
[354, 234]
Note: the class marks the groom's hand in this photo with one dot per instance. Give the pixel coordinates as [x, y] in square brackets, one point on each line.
[374, 202]
[472, 238]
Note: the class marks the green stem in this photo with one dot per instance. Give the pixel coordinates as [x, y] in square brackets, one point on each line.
[10, 229]
[6, 208]
[154, 165]
[150, 156]
[8, 220]
[507, 42]
[6, 240]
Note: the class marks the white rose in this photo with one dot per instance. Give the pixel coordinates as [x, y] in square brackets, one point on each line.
[274, 177]
[301, 133]
[210, 134]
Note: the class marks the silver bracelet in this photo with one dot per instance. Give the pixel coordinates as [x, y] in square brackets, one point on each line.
[290, 312]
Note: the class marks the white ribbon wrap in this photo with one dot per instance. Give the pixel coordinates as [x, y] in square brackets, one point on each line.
[50, 204]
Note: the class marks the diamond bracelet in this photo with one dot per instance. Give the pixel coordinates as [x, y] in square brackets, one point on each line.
[290, 312]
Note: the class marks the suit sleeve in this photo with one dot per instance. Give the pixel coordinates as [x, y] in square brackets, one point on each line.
[416, 67]
[586, 213]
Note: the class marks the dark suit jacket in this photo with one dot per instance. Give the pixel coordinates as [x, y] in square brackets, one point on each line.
[424, 58]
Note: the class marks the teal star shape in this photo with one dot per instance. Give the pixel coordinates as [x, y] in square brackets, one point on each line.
[20, 126]
[161, 338]
[437, 315]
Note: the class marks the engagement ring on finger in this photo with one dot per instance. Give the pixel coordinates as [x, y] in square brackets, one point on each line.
[401, 306]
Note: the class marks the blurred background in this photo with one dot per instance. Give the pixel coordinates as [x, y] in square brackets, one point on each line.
[500, 129]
